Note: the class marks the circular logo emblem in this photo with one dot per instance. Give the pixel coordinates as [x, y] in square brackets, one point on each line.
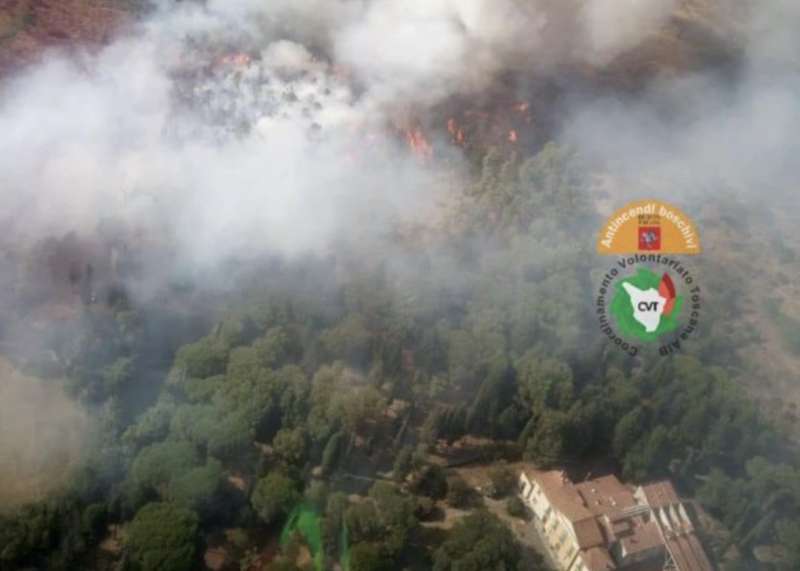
[649, 296]
[647, 299]
[645, 305]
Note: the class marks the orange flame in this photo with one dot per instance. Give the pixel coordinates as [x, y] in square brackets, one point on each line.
[456, 132]
[235, 59]
[418, 143]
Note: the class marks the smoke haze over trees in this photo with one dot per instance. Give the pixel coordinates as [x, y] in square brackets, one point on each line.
[258, 255]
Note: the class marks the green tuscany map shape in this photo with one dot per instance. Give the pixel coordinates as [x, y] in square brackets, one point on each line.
[623, 307]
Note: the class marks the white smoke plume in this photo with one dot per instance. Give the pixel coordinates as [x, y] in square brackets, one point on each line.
[429, 49]
[243, 127]
[731, 127]
[284, 147]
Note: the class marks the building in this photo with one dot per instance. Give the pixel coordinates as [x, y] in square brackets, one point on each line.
[603, 525]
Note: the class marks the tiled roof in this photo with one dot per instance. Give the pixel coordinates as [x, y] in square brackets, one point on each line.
[605, 513]
[561, 493]
[687, 553]
[588, 533]
[660, 494]
[606, 495]
[645, 536]
[597, 559]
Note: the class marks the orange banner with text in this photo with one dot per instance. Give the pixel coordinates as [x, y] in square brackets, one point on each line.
[649, 226]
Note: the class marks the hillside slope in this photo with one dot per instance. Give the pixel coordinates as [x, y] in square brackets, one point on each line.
[28, 27]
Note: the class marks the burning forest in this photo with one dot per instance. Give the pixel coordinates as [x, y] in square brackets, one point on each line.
[311, 284]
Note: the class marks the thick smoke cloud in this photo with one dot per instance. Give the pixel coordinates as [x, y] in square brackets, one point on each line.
[734, 127]
[107, 138]
[424, 50]
[237, 159]
[245, 127]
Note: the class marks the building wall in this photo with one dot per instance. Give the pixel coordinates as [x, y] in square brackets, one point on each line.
[533, 496]
[557, 528]
[563, 541]
[558, 532]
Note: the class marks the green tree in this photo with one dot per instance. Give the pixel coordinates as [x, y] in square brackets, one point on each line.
[545, 384]
[317, 494]
[349, 340]
[403, 463]
[158, 464]
[431, 481]
[479, 542]
[332, 453]
[368, 557]
[494, 395]
[463, 357]
[204, 358]
[289, 445]
[235, 330]
[195, 423]
[503, 481]
[650, 457]
[197, 489]
[789, 538]
[283, 563]
[386, 519]
[340, 398]
[335, 509]
[153, 425]
[277, 347]
[549, 445]
[232, 438]
[459, 494]
[117, 375]
[627, 432]
[516, 508]
[162, 538]
[93, 520]
[274, 497]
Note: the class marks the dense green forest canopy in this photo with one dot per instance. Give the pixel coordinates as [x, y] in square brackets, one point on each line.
[487, 331]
